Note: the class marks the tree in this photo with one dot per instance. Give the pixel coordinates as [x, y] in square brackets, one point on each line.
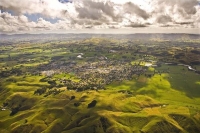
[92, 104]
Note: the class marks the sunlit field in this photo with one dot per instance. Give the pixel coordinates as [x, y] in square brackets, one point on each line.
[100, 84]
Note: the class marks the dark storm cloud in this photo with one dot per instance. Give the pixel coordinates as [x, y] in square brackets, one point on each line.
[134, 9]
[96, 10]
[176, 13]
[86, 22]
[184, 23]
[86, 13]
[163, 19]
[106, 8]
[16, 15]
[166, 25]
[183, 6]
[136, 25]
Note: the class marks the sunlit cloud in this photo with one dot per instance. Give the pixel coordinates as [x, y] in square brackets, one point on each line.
[17, 15]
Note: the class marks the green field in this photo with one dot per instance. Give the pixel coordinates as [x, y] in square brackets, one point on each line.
[164, 98]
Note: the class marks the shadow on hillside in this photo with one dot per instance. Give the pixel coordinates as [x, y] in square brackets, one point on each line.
[188, 86]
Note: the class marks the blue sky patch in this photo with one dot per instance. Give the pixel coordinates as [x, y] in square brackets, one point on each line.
[35, 17]
[64, 1]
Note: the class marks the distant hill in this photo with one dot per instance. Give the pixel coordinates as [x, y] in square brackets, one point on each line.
[138, 36]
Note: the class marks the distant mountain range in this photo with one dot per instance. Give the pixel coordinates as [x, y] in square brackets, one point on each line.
[139, 36]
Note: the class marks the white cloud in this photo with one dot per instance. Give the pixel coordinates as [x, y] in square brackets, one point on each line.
[48, 8]
[98, 14]
[11, 23]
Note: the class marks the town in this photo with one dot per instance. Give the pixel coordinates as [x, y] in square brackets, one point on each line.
[65, 82]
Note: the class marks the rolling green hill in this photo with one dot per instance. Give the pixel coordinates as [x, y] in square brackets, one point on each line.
[46, 88]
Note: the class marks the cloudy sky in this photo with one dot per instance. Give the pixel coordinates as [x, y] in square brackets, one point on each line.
[99, 16]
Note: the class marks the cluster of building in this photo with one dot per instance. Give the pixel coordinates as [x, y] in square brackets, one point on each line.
[93, 75]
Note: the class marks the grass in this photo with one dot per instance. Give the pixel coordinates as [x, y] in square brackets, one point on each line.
[124, 112]
[70, 76]
[32, 64]
[138, 62]
[24, 84]
[183, 80]
[151, 69]
[144, 103]
[157, 82]
[124, 85]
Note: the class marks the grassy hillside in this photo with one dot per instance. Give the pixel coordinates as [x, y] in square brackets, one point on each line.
[156, 106]
[37, 93]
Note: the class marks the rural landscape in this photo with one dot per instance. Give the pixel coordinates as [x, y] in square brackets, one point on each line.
[100, 83]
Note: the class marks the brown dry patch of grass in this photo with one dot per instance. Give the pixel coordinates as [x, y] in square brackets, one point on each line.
[142, 79]
[197, 116]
